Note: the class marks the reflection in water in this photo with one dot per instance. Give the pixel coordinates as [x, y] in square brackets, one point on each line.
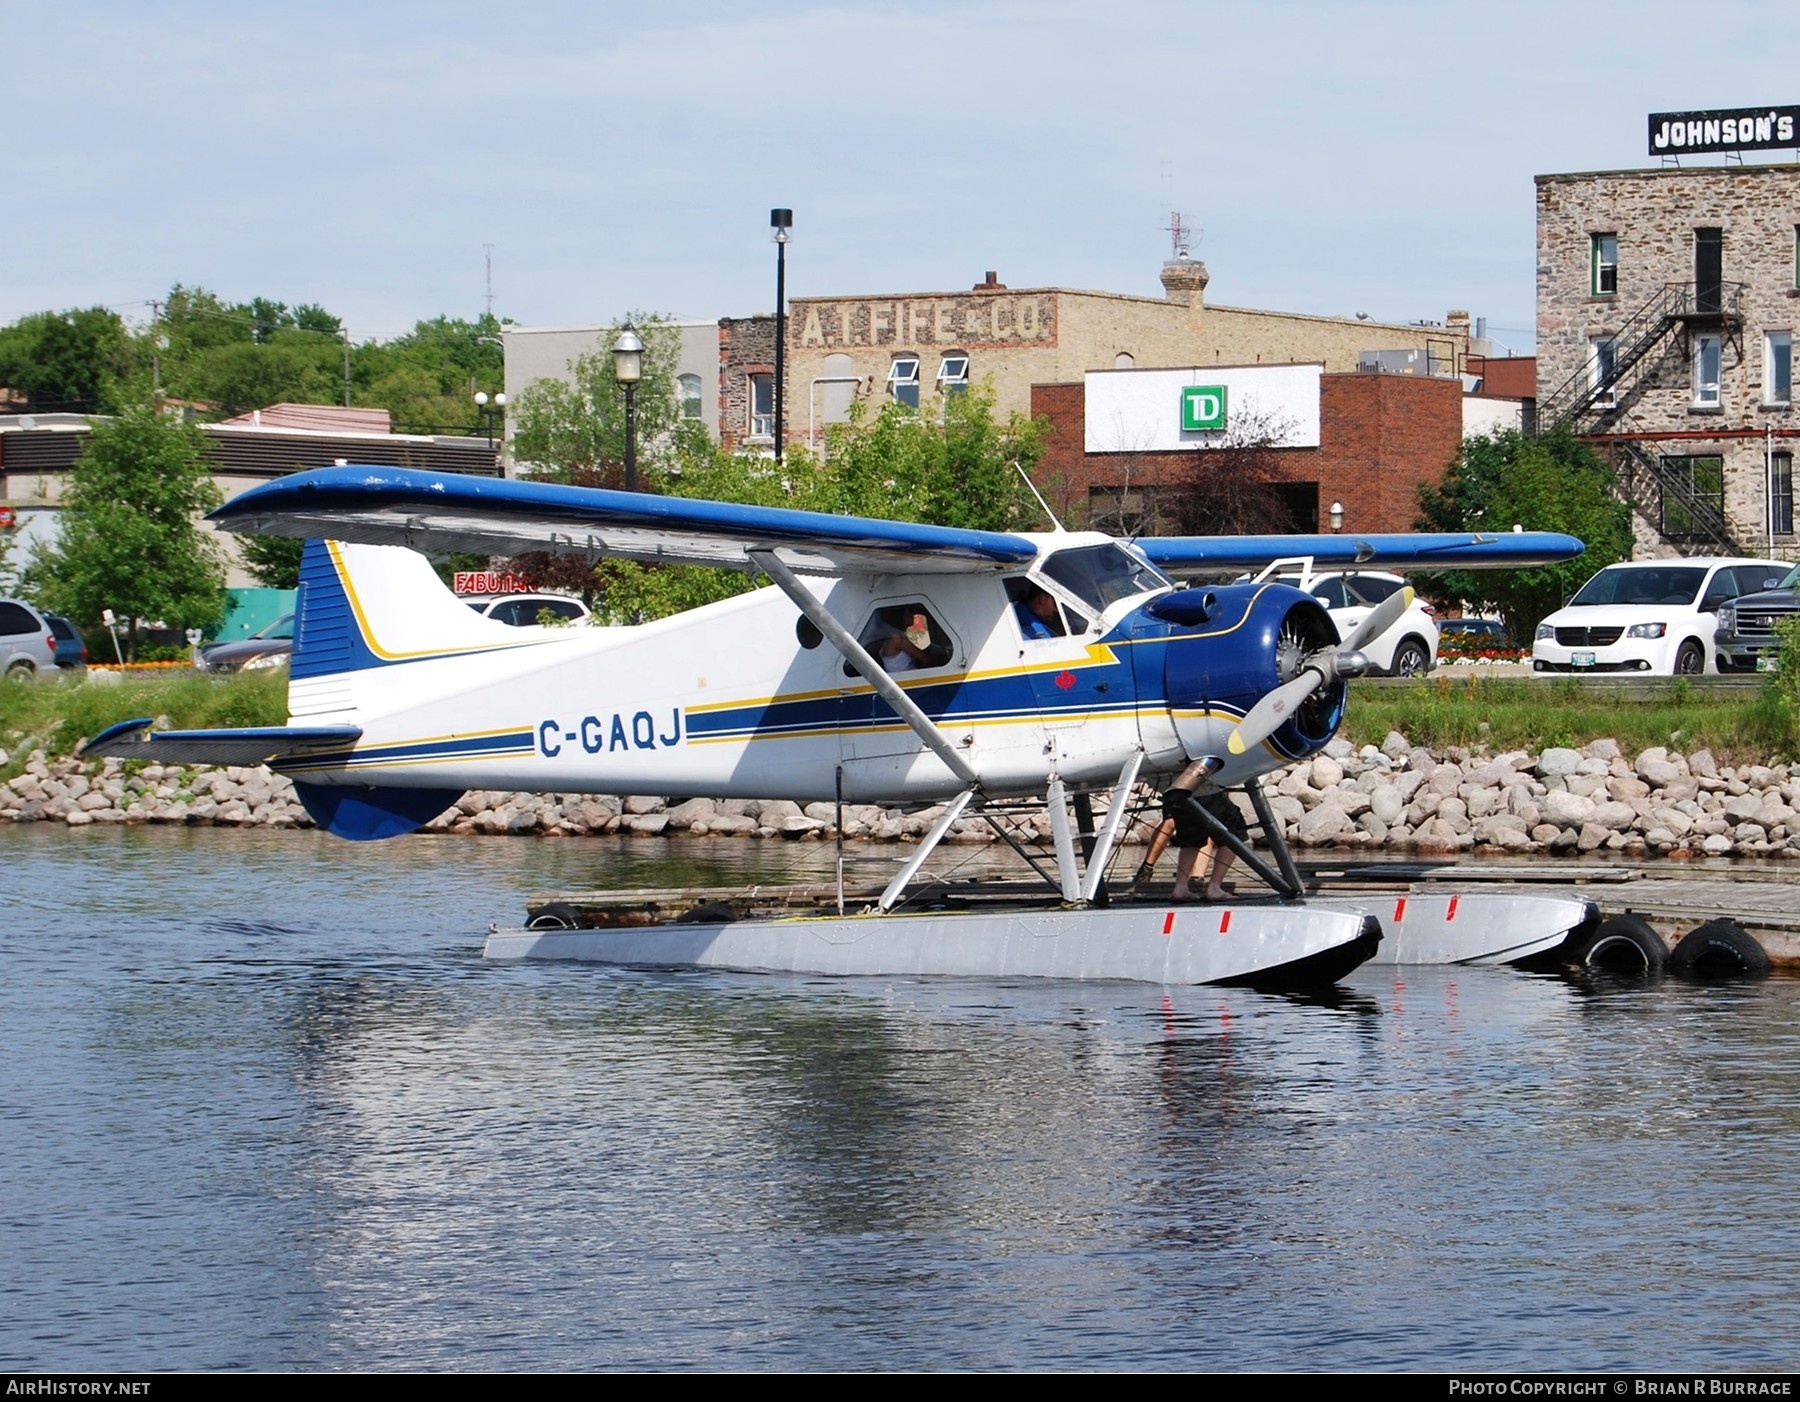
[269, 1108]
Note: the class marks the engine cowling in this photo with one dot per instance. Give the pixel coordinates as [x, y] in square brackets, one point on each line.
[1249, 640]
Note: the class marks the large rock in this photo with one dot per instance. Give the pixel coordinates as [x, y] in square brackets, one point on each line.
[1558, 762]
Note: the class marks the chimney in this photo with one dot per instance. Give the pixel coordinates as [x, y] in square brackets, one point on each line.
[1185, 282]
[990, 283]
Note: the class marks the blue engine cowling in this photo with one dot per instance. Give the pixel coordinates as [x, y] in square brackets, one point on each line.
[1230, 646]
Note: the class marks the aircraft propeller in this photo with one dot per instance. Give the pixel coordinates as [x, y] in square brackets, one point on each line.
[1345, 659]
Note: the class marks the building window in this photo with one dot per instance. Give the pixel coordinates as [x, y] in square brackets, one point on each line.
[1781, 494]
[953, 374]
[690, 396]
[1604, 265]
[762, 405]
[1707, 349]
[1603, 360]
[1778, 367]
[903, 380]
[1694, 484]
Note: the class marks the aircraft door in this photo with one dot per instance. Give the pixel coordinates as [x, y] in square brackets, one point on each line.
[907, 636]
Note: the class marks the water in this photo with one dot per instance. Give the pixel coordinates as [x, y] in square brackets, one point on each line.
[266, 1107]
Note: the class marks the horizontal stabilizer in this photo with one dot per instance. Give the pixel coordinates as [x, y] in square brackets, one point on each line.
[432, 511]
[132, 739]
[1442, 550]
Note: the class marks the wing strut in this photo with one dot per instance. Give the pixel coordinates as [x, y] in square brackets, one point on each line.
[858, 657]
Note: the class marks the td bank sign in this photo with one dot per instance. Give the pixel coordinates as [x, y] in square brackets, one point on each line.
[1203, 408]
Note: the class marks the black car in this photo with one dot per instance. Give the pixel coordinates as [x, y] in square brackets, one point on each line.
[272, 646]
[1474, 633]
[1746, 640]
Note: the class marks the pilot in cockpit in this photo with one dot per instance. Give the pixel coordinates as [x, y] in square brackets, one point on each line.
[1038, 615]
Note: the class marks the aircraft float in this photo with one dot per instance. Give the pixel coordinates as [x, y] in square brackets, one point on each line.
[885, 662]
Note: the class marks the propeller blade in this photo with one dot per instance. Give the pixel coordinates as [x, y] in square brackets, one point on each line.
[1381, 618]
[1273, 711]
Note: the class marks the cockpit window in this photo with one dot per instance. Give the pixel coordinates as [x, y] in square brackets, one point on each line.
[1100, 575]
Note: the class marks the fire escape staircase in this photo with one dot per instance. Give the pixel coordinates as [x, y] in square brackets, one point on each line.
[1593, 406]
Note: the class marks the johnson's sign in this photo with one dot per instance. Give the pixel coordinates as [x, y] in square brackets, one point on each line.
[1738, 129]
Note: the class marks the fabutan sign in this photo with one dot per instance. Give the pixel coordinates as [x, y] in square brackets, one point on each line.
[1737, 129]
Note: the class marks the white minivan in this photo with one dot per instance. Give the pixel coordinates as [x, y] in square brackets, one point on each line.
[1656, 616]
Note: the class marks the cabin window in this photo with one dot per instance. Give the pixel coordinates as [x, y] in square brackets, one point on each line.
[1603, 265]
[1038, 613]
[1099, 575]
[903, 380]
[905, 637]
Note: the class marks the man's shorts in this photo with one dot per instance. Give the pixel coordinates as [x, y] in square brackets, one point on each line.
[1179, 804]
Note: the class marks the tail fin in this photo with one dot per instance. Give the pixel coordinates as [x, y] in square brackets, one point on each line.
[365, 606]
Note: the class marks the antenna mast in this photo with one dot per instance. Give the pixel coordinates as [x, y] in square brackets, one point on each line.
[488, 251]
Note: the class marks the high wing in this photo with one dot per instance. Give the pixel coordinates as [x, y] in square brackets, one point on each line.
[440, 511]
[1440, 551]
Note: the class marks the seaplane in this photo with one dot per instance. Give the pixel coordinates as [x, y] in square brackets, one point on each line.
[883, 662]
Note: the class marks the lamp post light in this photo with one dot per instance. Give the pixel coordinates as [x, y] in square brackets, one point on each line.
[489, 409]
[781, 221]
[1337, 517]
[628, 369]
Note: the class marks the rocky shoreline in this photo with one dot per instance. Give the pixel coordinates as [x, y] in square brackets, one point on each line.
[1396, 798]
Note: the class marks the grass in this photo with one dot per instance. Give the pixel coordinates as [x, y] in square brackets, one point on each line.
[55, 715]
[1526, 713]
[1450, 708]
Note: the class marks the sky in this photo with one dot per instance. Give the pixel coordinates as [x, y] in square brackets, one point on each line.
[1335, 158]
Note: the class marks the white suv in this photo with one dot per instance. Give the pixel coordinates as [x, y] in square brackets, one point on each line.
[1648, 616]
[1407, 649]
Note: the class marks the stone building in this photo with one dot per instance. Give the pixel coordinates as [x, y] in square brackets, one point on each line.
[1666, 304]
[917, 346]
[1124, 441]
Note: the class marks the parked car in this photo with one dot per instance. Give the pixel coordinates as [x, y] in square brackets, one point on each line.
[1745, 639]
[528, 610]
[1472, 633]
[272, 646]
[27, 641]
[1656, 616]
[71, 649]
[1407, 649]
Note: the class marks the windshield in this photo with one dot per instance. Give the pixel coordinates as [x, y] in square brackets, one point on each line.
[282, 627]
[1662, 584]
[1099, 575]
[1790, 580]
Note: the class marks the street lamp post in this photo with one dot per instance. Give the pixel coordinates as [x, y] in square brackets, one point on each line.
[1337, 517]
[489, 409]
[780, 220]
[628, 369]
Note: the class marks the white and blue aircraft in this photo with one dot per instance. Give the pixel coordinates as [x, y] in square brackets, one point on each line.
[886, 662]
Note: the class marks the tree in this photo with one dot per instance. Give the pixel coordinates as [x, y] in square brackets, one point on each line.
[966, 470]
[1234, 488]
[128, 538]
[273, 561]
[67, 361]
[1555, 483]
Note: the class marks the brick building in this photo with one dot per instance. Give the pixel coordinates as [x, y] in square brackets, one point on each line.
[1365, 441]
[916, 346]
[1666, 310]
